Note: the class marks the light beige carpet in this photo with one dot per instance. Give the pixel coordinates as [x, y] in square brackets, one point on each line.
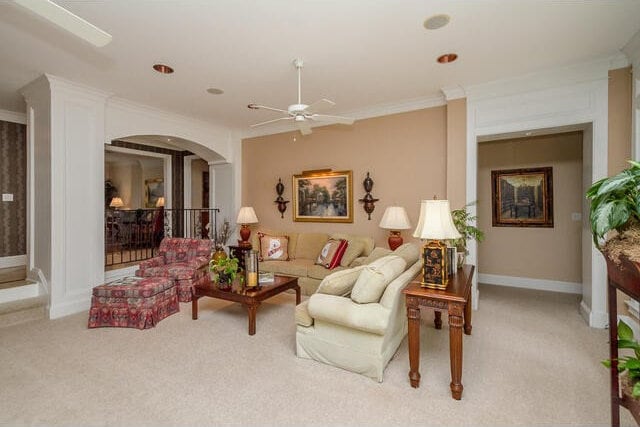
[531, 360]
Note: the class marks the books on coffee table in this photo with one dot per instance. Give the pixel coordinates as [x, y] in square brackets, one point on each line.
[265, 277]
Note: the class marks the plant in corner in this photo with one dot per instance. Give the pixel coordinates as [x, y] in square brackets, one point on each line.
[630, 364]
[615, 206]
[462, 220]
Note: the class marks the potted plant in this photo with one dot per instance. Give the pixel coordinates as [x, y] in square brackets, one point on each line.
[221, 237]
[615, 214]
[225, 271]
[462, 220]
[629, 366]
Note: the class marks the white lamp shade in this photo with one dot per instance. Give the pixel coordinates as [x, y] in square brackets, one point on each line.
[116, 202]
[395, 218]
[435, 221]
[247, 216]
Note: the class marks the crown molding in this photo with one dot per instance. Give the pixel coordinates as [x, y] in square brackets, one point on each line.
[361, 114]
[453, 92]
[619, 60]
[14, 117]
[632, 49]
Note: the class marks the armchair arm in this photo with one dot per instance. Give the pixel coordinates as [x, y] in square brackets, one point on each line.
[152, 262]
[372, 318]
[198, 262]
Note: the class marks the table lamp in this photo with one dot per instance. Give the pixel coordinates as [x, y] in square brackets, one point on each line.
[116, 203]
[395, 219]
[160, 202]
[436, 225]
[246, 216]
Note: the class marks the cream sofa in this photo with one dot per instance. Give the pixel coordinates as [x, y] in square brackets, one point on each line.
[359, 337]
[304, 249]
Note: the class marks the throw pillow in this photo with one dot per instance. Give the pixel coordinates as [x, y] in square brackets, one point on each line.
[377, 253]
[409, 252]
[354, 249]
[273, 248]
[375, 277]
[340, 283]
[332, 253]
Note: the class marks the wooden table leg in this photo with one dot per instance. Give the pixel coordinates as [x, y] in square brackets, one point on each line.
[467, 314]
[613, 353]
[194, 308]
[252, 310]
[437, 320]
[413, 317]
[297, 288]
[455, 348]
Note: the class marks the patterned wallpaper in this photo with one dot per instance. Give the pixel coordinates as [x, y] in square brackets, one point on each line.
[13, 180]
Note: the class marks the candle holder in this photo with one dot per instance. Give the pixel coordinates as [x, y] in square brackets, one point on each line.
[368, 200]
[282, 203]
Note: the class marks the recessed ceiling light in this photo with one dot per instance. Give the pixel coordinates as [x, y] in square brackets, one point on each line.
[447, 57]
[215, 91]
[436, 21]
[162, 68]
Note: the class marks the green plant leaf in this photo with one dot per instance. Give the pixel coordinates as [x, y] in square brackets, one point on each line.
[606, 363]
[632, 364]
[616, 182]
[632, 344]
[624, 331]
[593, 190]
[636, 390]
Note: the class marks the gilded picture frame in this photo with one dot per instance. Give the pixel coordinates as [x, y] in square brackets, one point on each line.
[153, 189]
[522, 197]
[323, 196]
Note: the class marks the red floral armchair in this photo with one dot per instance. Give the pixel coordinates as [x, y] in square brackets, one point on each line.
[183, 260]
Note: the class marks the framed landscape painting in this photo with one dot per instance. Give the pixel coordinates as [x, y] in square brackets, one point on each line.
[522, 197]
[323, 196]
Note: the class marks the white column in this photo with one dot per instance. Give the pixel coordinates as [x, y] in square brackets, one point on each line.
[68, 132]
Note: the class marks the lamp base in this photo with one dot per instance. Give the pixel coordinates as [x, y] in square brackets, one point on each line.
[245, 233]
[435, 274]
[395, 240]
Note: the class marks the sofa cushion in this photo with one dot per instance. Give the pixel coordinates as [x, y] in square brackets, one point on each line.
[375, 277]
[409, 252]
[332, 252]
[273, 248]
[294, 267]
[377, 253]
[339, 282]
[354, 249]
[302, 314]
[309, 245]
[319, 272]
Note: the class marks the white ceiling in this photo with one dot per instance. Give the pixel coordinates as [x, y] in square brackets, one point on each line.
[359, 53]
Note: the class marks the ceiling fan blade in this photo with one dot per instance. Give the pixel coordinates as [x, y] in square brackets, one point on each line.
[264, 107]
[304, 127]
[333, 119]
[271, 121]
[321, 105]
[67, 21]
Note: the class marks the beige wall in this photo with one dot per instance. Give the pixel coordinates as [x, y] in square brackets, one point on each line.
[404, 153]
[537, 253]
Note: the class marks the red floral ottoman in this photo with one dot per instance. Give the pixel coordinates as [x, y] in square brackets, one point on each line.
[133, 302]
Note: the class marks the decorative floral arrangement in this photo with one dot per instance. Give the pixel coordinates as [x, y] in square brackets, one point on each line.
[223, 233]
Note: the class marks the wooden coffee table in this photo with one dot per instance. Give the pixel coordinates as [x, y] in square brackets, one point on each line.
[250, 298]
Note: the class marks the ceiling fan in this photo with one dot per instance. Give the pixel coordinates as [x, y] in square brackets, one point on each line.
[302, 114]
[66, 20]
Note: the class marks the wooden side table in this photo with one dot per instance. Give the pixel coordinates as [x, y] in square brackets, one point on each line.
[456, 300]
[238, 252]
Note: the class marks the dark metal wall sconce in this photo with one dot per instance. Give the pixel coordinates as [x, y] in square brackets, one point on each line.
[368, 200]
[282, 203]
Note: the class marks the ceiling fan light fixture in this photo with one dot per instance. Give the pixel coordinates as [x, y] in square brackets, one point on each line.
[436, 21]
[163, 68]
[447, 57]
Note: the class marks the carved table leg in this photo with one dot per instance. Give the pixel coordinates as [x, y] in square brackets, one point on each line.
[252, 308]
[297, 288]
[467, 315]
[194, 308]
[455, 348]
[413, 317]
[437, 320]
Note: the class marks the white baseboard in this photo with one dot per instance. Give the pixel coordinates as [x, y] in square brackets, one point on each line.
[80, 303]
[529, 283]
[13, 261]
[594, 319]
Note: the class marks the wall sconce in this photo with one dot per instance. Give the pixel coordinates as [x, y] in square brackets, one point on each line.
[282, 203]
[368, 200]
